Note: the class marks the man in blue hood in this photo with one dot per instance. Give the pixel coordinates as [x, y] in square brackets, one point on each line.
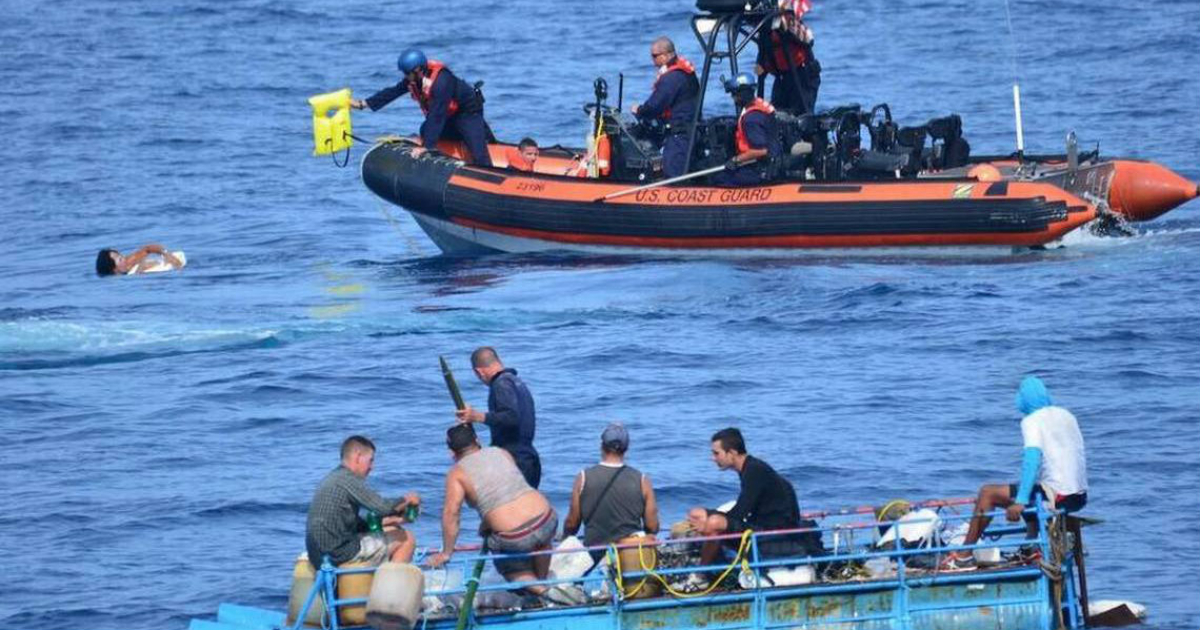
[1054, 468]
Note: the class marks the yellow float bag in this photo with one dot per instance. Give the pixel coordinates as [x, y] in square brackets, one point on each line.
[331, 122]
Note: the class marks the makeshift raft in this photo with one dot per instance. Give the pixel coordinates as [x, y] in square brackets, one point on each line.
[865, 582]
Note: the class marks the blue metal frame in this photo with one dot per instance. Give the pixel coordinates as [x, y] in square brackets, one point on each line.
[1013, 597]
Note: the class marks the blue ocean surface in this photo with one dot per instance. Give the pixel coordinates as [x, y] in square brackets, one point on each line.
[163, 434]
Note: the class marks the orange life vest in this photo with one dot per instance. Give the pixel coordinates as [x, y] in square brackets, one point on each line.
[680, 64]
[516, 161]
[422, 92]
[759, 105]
[782, 47]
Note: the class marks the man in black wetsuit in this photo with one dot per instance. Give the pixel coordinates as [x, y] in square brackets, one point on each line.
[673, 101]
[766, 502]
[510, 415]
[449, 103]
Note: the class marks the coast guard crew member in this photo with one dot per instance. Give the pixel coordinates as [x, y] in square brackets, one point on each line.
[673, 101]
[786, 53]
[446, 100]
[756, 136]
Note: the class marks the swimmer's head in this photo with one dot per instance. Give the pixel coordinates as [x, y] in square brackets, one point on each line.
[106, 262]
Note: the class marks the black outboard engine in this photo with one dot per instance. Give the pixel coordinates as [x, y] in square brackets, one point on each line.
[834, 148]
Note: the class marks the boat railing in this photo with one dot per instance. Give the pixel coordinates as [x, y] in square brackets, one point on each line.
[850, 538]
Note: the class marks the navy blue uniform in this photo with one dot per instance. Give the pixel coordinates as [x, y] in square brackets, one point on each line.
[467, 124]
[512, 421]
[760, 131]
[674, 102]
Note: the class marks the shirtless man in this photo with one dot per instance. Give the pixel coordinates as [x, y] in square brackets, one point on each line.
[110, 262]
[516, 518]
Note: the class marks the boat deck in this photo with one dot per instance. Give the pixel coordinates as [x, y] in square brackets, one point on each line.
[859, 584]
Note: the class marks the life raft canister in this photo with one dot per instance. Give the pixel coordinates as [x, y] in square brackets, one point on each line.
[759, 105]
[680, 64]
[423, 92]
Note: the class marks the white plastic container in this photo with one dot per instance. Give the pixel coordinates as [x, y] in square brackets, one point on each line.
[987, 555]
[395, 599]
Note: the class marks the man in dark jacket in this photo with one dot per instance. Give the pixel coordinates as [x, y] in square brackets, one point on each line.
[766, 502]
[449, 103]
[510, 415]
[673, 101]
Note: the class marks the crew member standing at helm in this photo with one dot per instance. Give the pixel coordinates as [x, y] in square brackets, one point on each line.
[446, 100]
[756, 137]
[673, 101]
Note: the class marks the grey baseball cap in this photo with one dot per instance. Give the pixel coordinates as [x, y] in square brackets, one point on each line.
[616, 434]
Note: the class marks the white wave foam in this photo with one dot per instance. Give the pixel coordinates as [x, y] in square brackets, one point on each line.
[37, 336]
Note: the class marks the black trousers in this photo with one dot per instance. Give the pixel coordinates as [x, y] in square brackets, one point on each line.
[473, 131]
[797, 93]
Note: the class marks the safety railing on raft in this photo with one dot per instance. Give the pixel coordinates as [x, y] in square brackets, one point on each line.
[1058, 592]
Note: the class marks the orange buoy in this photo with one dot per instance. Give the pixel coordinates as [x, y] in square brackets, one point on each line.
[985, 173]
[1144, 190]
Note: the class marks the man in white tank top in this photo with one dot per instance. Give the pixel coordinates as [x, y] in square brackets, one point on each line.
[516, 518]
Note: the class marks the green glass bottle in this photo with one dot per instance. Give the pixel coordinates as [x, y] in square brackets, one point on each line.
[412, 512]
[374, 523]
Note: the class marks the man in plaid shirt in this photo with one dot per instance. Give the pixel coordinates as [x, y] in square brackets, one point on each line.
[334, 526]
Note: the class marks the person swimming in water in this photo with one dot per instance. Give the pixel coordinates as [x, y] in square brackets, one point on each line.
[110, 262]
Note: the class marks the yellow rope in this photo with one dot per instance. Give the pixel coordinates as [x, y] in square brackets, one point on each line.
[615, 560]
[899, 503]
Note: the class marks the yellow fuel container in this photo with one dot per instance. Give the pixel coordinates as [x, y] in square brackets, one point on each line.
[331, 122]
[303, 577]
[353, 586]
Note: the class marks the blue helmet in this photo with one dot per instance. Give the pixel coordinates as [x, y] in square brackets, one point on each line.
[743, 80]
[410, 60]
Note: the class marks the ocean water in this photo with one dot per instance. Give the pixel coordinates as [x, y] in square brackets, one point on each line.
[162, 435]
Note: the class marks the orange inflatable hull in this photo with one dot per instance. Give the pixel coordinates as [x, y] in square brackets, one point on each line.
[468, 209]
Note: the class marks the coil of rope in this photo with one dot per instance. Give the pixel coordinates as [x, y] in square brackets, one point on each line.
[738, 559]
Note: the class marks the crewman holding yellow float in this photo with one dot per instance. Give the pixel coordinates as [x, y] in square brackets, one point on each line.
[453, 108]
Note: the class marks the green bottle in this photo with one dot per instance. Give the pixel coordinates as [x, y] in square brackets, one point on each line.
[374, 523]
[412, 512]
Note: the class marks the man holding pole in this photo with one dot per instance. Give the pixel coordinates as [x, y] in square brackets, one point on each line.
[756, 139]
[510, 415]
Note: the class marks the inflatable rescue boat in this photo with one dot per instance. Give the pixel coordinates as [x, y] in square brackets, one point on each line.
[851, 177]
[470, 210]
